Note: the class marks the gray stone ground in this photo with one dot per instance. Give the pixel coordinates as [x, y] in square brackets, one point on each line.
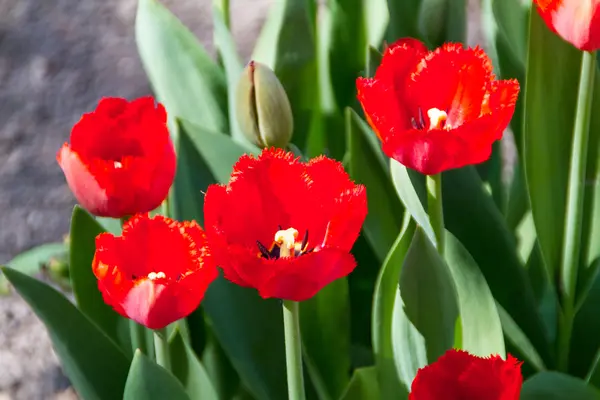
[57, 58]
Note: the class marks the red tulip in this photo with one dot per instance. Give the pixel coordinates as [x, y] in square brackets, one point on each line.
[156, 272]
[121, 160]
[285, 227]
[438, 110]
[576, 21]
[458, 375]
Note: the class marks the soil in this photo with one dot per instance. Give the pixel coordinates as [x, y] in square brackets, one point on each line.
[57, 58]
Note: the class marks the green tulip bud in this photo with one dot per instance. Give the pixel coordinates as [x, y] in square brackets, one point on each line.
[263, 109]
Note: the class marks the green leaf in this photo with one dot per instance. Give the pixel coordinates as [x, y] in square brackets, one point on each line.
[429, 301]
[585, 341]
[480, 323]
[403, 19]
[442, 21]
[386, 291]
[325, 325]
[34, 260]
[287, 44]
[367, 166]
[547, 132]
[233, 68]
[557, 386]
[188, 369]
[363, 385]
[182, 74]
[94, 364]
[149, 381]
[84, 229]
[374, 58]
[377, 18]
[250, 331]
[410, 186]
[472, 217]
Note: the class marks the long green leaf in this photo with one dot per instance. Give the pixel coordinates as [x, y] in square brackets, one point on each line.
[383, 310]
[403, 19]
[557, 386]
[182, 74]
[148, 381]
[325, 325]
[84, 229]
[480, 323]
[442, 21]
[287, 44]
[188, 369]
[363, 385]
[94, 364]
[365, 165]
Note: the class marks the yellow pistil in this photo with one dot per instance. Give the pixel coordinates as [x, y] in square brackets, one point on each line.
[287, 242]
[437, 118]
[156, 275]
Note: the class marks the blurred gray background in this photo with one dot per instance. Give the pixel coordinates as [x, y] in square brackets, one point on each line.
[57, 58]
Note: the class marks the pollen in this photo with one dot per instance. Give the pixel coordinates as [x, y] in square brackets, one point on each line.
[437, 118]
[156, 275]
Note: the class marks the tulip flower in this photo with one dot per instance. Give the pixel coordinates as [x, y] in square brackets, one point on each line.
[120, 160]
[576, 21]
[285, 227]
[458, 375]
[156, 272]
[438, 110]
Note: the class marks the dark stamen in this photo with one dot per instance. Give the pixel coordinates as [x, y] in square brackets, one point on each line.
[279, 227]
[263, 250]
[414, 123]
[304, 241]
[133, 277]
[179, 277]
[274, 253]
[309, 251]
[421, 119]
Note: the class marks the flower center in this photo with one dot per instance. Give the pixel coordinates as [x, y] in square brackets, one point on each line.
[156, 275]
[285, 244]
[437, 120]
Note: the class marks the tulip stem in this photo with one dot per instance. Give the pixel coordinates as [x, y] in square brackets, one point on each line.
[293, 350]
[574, 212]
[435, 210]
[161, 346]
[138, 336]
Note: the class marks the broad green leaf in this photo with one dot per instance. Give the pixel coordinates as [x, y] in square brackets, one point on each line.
[250, 331]
[84, 229]
[442, 21]
[366, 166]
[34, 260]
[517, 338]
[233, 67]
[585, 341]
[511, 20]
[557, 386]
[287, 44]
[94, 364]
[403, 19]
[480, 324]
[188, 369]
[223, 375]
[182, 74]
[325, 326]
[410, 186]
[377, 18]
[548, 127]
[149, 381]
[386, 291]
[472, 217]
[374, 58]
[347, 50]
[363, 385]
[428, 296]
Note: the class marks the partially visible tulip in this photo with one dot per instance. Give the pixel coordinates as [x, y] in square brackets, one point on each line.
[120, 160]
[156, 272]
[263, 109]
[576, 21]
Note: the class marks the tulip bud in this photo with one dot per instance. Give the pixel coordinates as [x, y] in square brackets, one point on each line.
[263, 109]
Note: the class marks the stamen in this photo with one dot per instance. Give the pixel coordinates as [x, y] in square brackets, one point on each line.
[437, 118]
[414, 123]
[156, 275]
[304, 241]
[421, 119]
[287, 240]
[118, 164]
[179, 277]
[263, 250]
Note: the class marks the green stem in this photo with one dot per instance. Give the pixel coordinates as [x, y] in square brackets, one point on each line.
[161, 346]
[574, 212]
[435, 209]
[138, 336]
[293, 350]
[223, 7]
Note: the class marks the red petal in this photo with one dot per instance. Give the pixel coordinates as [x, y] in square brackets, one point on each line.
[382, 97]
[301, 278]
[350, 213]
[576, 21]
[451, 79]
[427, 152]
[459, 375]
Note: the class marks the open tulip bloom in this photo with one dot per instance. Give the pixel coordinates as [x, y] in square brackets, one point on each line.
[271, 237]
